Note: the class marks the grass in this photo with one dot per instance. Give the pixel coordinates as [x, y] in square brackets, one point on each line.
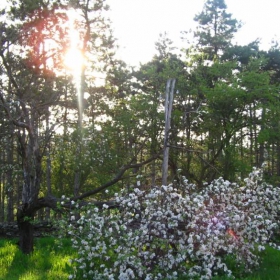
[269, 268]
[51, 262]
[48, 261]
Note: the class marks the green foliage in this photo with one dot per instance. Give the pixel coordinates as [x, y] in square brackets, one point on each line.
[242, 54]
[216, 28]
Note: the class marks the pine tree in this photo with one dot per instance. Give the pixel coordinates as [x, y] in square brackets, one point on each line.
[216, 28]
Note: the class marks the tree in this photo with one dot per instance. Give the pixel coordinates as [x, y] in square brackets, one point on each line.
[152, 78]
[36, 95]
[216, 28]
[34, 87]
[25, 107]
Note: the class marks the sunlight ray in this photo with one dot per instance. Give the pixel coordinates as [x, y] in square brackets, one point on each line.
[74, 59]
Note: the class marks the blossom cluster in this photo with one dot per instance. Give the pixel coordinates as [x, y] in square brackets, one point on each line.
[167, 232]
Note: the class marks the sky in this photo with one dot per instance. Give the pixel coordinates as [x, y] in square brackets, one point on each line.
[138, 23]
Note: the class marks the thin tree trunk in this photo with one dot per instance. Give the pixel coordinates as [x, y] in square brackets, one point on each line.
[9, 180]
[3, 182]
[168, 109]
[18, 183]
[48, 171]
[262, 147]
[251, 136]
[1, 200]
[278, 158]
[272, 168]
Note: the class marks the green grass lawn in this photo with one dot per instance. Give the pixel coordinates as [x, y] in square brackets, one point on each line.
[270, 267]
[51, 261]
[268, 270]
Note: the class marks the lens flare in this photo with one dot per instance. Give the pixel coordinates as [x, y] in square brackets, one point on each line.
[74, 60]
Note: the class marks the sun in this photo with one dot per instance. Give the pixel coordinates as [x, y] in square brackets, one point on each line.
[74, 57]
[53, 43]
[74, 61]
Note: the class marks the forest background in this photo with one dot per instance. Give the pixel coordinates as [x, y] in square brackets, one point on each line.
[88, 127]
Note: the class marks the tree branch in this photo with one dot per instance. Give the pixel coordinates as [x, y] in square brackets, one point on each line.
[51, 201]
[117, 178]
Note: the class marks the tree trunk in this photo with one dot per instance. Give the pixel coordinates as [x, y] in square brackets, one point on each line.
[262, 144]
[32, 174]
[1, 200]
[168, 109]
[278, 158]
[9, 182]
[26, 230]
[48, 169]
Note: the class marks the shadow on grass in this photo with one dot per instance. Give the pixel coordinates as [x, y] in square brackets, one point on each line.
[48, 261]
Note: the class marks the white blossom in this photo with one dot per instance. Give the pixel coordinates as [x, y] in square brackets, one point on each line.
[167, 227]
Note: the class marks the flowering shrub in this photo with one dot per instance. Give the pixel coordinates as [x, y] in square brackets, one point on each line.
[167, 232]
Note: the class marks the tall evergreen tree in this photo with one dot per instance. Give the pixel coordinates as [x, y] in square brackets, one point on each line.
[216, 28]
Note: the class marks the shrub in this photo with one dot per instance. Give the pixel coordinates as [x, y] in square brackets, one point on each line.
[166, 232]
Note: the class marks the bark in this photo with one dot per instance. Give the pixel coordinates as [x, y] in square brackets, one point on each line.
[10, 185]
[2, 204]
[262, 147]
[32, 174]
[278, 158]
[26, 230]
[168, 109]
[48, 169]
[25, 221]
